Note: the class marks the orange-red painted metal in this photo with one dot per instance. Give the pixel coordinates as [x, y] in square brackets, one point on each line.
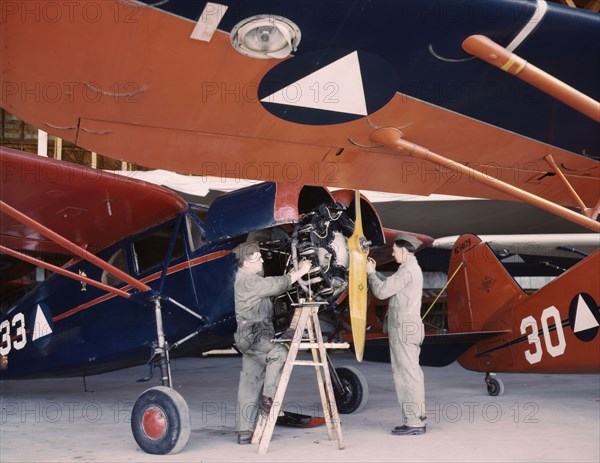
[166, 101]
[393, 138]
[554, 330]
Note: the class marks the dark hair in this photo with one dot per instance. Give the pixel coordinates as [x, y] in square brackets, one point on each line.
[405, 244]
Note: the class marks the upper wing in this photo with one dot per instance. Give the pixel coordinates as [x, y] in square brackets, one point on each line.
[132, 83]
[91, 208]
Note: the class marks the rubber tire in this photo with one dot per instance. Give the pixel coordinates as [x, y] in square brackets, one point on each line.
[495, 387]
[177, 414]
[353, 380]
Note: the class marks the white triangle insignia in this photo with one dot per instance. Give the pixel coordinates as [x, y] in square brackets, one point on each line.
[584, 318]
[335, 87]
[41, 326]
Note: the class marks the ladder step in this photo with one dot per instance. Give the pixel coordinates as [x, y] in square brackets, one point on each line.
[307, 362]
[305, 344]
[327, 345]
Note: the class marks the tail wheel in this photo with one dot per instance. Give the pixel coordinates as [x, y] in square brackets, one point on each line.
[356, 390]
[495, 387]
[160, 421]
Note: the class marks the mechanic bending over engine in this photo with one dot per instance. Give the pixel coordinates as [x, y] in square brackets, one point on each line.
[262, 360]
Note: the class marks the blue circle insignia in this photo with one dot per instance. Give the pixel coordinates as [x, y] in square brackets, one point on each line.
[328, 87]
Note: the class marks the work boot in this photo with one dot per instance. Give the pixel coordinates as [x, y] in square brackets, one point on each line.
[244, 437]
[408, 430]
[264, 405]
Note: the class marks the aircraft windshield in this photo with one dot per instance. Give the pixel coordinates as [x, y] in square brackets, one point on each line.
[151, 251]
[119, 261]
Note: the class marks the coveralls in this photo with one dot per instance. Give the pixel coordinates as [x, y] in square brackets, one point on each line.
[406, 333]
[262, 360]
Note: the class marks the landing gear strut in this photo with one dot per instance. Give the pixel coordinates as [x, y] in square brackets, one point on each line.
[160, 420]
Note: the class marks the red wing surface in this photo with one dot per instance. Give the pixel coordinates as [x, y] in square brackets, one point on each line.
[133, 84]
[91, 208]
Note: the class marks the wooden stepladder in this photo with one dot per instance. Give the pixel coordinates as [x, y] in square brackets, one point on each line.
[305, 319]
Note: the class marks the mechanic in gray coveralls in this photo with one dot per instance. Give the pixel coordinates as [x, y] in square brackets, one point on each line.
[262, 360]
[405, 332]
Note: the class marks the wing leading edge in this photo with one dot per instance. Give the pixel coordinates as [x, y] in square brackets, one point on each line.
[92, 208]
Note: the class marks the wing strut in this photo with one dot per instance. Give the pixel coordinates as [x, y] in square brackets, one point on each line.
[72, 247]
[498, 56]
[590, 212]
[391, 137]
[62, 271]
[161, 347]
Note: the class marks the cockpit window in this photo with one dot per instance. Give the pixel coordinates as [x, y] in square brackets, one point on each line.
[151, 251]
[195, 232]
[119, 261]
[200, 212]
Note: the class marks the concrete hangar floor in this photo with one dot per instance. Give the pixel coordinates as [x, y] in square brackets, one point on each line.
[539, 418]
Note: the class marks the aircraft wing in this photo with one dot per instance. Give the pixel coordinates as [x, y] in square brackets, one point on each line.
[437, 350]
[93, 209]
[152, 83]
[550, 244]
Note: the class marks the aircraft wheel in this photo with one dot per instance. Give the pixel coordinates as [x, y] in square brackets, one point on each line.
[160, 421]
[357, 390]
[495, 387]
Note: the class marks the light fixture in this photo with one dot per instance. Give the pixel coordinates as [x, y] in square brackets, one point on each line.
[266, 36]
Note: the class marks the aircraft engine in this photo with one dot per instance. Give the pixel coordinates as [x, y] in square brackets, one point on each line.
[321, 236]
[320, 231]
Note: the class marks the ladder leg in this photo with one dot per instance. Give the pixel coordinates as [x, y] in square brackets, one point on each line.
[335, 417]
[294, 324]
[305, 319]
[265, 426]
[322, 391]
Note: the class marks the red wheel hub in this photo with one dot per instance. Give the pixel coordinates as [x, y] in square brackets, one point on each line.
[154, 423]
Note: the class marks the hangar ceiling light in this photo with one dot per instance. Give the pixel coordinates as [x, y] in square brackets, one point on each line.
[266, 36]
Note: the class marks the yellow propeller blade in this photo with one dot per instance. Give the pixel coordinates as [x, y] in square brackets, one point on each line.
[358, 249]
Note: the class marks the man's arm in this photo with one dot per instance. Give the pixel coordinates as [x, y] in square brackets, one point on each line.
[303, 269]
[258, 286]
[384, 287]
[267, 286]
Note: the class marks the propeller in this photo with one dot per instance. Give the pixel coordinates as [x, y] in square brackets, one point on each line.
[358, 248]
